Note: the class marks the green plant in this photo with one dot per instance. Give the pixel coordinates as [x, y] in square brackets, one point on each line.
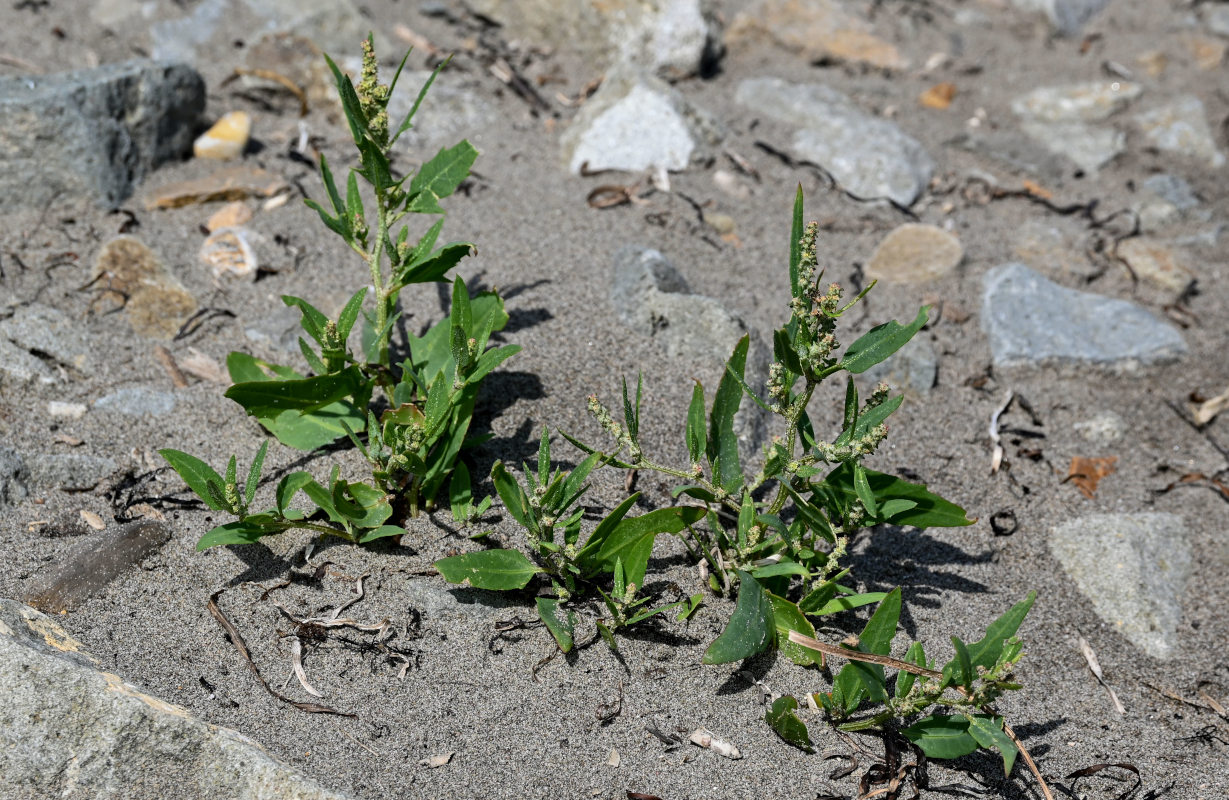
[414, 415]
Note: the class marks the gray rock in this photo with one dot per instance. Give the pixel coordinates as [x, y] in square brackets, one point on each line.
[1081, 102]
[1133, 568]
[913, 368]
[869, 156]
[68, 728]
[1216, 17]
[1089, 147]
[1105, 428]
[137, 401]
[651, 297]
[637, 122]
[72, 472]
[1173, 190]
[50, 332]
[110, 126]
[1066, 16]
[13, 476]
[1181, 127]
[95, 564]
[1032, 321]
[1014, 151]
[19, 367]
[674, 38]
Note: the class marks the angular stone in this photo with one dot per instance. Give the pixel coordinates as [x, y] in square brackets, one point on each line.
[68, 729]
[226, 139]
[913, 368]
[1181, 127]
[1066, 16]
[651, 297]
[131, 275]
[1032, 321]
[1081, 102]
[1133, 569]
[13, 475]
[869, 156]
[229, 251]
[915, 253]
[50, 332]
[636, 122]
[1156, 262]
[95, 132]
[1090, 147]
[674, 38]
[816, 29]
[71, 472]
[229, 216]
[231, 183]
[1014, 151]
[137, 401]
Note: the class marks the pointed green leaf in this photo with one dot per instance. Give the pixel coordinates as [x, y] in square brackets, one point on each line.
[942, 736]
[349, 314]
[931, 510]
[988, 731]
[787, 617]
[440, 177]
[905, 680]
[788, 725]
[697, 440]
[722, 442]
[632, 539]
[499, 570]
[880, 342]
[354, 200]
[254, 473]
[239, 532]
[288, 487]
[198, 475]
[985, 652]
[751, 627]
[560, 623]
[795, 246]
[384, 531]
[514, 497]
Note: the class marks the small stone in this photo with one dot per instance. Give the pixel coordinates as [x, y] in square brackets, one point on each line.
[1206, 53]
[19, 367]
[63, 410]
[93, 520]
[230, 215]
[815, 29]
[71, 472]
[1154, 62]
[232, 183]
[1067, 17]
[634, 123]
[1133, 569]
[13, 476]
[1044, 246]
[1033, 321]
[1082, 102]
[913, 368]
[1103, 429]
[722, 223]
[1173, 189]
[731, 184]
[137, 401]
[1216, 17]
[861, 47]
[229, 251]
[132, 276]
[42, 329]
[1090, 147]
[939, 96]
[227, 138]
[915, 253]
[1181, 127]
[870, 157]
[1156, 262]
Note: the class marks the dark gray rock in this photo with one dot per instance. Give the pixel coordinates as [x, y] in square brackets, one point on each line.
[1133, 569]
[13, 476]
[137, 401]
[869, 156]
[1032, 321]
[70, 729]
[72, 472]
[95, 564]
[652, 298]
[95, 132]
[37, 328]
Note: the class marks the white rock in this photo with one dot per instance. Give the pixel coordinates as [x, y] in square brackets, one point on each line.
[1086, 102]
[1181, 126]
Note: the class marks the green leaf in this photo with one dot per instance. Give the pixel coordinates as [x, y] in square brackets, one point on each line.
[200, 477]
[239, 532]
[354, 200]
[632, 539]
[751, 627]
[784, 352]
[880, 342]
[330, 222]
[697, 441]
[788, 617]
[960, 668]
[460, 493]
[560, 624]
[722, 442]
[867, 680]
[988, 731]
[433, 267]
[254, 473]
[312, 321]
[271, 397]
[489, 360]
[339, 209]
[986, 651]
[514, 497]
[288, 487]
[863, 489]
[847, 602]
[499, 570]
[587, 559]
[795, 248]
[381, 532]
[869, 418]
[406, 123]
[942, 736]
[787, 724]
[905, 680]
[349, 103]
[440, 177]
[931, 510]
[349, 314]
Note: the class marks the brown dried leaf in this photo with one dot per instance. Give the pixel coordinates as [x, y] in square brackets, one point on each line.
[1086, 473]
[939, 96]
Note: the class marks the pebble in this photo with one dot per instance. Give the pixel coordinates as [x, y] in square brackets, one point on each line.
[132, 276]
[1156, 262]
[1133, 570]
[1044, 246]
[1172, 189]
[1067, 17]
[870, 157]
[635, 122]
[137, 401]
[1081, 102]
[939, 96]
[1032, 321]
[1105, 428]
[65, 410]
[231, 183]
[1014, 151]
[731, 184]
[1089, 147]
[1181, 127]
[229, 216]
[913, 368]
[1207, 53]
[815, 29]
[97, 563]
[13, 477]
[229, 251]
[915, 253]
[227, 138]
[1216, 17]
[42, 329]
[94, 133]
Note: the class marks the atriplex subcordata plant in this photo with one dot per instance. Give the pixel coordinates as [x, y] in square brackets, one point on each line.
[414, 415]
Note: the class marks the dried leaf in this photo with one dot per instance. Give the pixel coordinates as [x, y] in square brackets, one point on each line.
[939, 96]
[1086, 473]
[1206, 411]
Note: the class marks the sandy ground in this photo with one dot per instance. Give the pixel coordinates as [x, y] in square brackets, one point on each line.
[471, 688]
